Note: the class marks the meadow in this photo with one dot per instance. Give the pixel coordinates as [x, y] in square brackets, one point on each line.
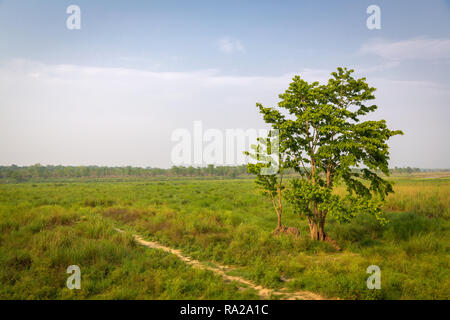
[47, 226]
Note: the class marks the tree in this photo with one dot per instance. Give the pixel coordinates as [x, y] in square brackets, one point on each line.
[324, 139]
[269, 169]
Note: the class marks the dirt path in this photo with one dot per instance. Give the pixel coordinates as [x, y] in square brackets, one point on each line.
[263, 292]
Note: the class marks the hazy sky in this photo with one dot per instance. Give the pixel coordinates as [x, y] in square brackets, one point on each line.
[113, 92]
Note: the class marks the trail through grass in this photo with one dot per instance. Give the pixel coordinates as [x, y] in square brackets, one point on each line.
[220, 270]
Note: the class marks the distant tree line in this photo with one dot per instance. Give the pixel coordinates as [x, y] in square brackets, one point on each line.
[37, 171]
[405, 170]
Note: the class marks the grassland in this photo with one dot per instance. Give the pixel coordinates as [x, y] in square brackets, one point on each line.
[48, 226]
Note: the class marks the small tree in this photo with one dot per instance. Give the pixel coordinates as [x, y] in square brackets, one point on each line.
[324, 141]
[269, 170]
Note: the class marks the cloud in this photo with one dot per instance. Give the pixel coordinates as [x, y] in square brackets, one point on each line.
[230, 45]
[412, 49]
[73, 114]
[377, 67]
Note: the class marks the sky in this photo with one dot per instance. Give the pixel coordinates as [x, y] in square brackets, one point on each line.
[114, 91]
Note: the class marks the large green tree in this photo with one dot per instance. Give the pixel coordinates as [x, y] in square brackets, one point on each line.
[326, 142]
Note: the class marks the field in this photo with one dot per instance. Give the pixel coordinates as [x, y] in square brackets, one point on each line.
[47, 226]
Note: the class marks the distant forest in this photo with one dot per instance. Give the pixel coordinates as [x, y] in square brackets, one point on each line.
[38, 171]
[17, 173]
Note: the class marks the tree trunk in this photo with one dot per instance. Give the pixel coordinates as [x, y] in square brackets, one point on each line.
[322, 234]
[279, 219]
[313, 229]
[280, 206]
[316, 230]
[316, 224]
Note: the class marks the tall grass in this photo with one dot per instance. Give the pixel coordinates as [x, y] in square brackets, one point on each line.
[427, 197]
[37, 246]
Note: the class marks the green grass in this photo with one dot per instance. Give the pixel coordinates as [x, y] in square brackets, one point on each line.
[46, 227]
[38, 244]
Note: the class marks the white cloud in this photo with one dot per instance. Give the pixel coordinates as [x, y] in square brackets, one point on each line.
[230, 45]
[412, 49]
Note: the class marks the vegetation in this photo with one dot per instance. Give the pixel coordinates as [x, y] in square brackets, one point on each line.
[47, 226]
[39, 172]
[322, 138]
[38, 243]
[269, 173]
